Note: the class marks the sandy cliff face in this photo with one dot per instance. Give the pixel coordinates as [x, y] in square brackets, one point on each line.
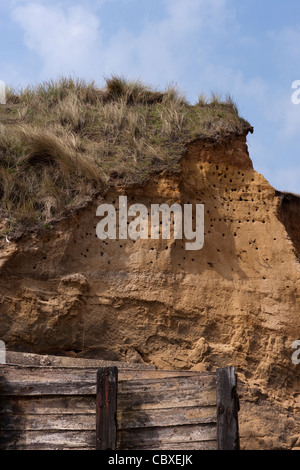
[235, 302]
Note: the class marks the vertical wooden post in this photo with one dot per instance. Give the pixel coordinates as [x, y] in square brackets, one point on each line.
[106, 408]
[227, 409]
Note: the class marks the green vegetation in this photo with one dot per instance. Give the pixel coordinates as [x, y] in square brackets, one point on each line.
[62, 142]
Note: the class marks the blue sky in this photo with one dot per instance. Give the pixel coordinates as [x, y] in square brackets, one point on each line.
[247, 48]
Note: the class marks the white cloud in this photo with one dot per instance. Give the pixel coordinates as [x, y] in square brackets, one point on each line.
[69, 38]
[163, 50]
[65, 38]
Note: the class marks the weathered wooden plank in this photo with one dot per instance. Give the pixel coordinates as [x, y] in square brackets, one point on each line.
[56, 407]
[86, 442]
[125, 374]
[38, 414]
[168, 399]
[31, 380]
[44, 440]
[166, 417]
[23, 380]
[153, 412]
[30, 359]
[56, 372]
[48, 422]
[39, 371]
[227, 409]
[48, 405]
[133, 420]
[34, 389]
[194, 445]
[162, 384]
[167, 392]
[128, 418]
[106, 408]
[165, 436]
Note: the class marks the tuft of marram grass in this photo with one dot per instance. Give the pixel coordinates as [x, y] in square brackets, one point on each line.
[133, 92]
[45, 148]
[63, 141]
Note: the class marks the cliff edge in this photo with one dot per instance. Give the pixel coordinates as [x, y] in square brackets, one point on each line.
[234, 302]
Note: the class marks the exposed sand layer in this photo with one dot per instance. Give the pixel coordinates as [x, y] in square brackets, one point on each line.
[235, 302]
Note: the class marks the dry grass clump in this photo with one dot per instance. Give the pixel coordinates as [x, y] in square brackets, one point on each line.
[62, 141]
[132, 92]
[71, 113]
[44, 148]
[42, 174]
[52, 92]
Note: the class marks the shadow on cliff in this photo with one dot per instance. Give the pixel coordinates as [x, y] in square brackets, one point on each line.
[289, 214]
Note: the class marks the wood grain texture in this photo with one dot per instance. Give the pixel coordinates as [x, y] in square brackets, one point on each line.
[47, 407]
[125, 374]
[36, 405]
[227, 409]
[47, 440]
[181, 446]
[49, 422]
[163, 437]
[168, 410]
[176, 416]
[106, 408]
[34, 380]
[54, 407]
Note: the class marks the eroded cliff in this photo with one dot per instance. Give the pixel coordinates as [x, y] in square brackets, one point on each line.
[235, 302]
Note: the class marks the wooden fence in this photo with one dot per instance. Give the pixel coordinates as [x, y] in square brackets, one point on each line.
[90, 407]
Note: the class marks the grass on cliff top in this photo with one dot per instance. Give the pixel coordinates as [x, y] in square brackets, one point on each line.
[63, 141]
